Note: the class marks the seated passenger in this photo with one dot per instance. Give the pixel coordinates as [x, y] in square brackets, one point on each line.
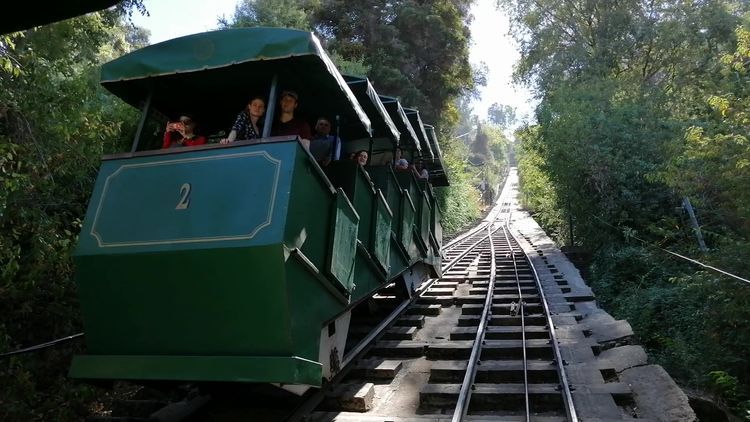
[420, 172]
[182, 133]
[361, 157]
[321, 146]
[286, 124]
[247, 124]
[400, 163]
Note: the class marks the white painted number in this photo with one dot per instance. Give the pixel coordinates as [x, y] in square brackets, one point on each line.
[184, 197]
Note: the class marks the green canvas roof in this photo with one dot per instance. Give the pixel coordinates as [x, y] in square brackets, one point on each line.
[416, 123]
[382, 124]
[409, 139]
[438, 172]
[213, 74]
[27, 14]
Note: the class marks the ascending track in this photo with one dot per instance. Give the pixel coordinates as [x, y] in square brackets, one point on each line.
[483, 346]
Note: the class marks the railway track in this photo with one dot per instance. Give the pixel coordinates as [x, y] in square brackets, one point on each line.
[480, 343]
[484, 346]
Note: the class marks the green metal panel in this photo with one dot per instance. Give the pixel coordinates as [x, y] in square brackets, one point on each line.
[202, 368]
[180, 201]
[197, 302]
[231, 275]
[424, 222]
[344, 231]
[369, 271]
[381, 240]
[407, 225]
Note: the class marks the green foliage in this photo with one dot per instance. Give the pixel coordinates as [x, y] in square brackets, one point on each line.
[502, 115]
[460, 202]
[417, 51]
[55, 123]
[272, 13]
[640, 105]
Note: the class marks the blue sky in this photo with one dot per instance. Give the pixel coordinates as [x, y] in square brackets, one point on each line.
[491, 44]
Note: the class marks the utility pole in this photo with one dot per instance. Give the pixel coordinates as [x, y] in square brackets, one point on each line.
[694, 221]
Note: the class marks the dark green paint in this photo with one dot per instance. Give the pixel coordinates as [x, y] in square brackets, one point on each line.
[202, 368]
[213, 298]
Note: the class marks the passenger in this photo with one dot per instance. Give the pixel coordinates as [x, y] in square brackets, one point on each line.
[247, 124]
[182, 133]
[321, 146]
[361, 157]
[420, 172]
[287, 124]
[400, 162]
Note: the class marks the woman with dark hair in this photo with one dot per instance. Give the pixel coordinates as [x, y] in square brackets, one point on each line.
[182, 133]
[247, 124]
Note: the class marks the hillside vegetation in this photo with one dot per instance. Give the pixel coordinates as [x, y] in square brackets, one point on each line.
[641, 105]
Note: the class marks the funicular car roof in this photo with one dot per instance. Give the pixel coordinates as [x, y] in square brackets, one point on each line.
[416, 123]
[213, 74]
[382, 124]
[27, 14]
[409, 139]
[439, 172]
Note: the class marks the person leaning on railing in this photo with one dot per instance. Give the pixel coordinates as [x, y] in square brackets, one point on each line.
[400, 162]
[247, 123]
[420, 172]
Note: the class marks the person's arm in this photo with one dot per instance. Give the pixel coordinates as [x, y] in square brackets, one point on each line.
[235, 130]
[167, 141]
[229, 139]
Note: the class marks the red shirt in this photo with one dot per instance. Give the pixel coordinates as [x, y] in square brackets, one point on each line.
[174, 139]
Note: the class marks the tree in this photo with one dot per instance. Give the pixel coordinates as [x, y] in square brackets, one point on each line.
[624, 131]
[55, 123]
[502, 115]
[417, 51]
[273, 13]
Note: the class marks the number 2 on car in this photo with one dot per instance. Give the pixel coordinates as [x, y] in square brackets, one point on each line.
[184, 197]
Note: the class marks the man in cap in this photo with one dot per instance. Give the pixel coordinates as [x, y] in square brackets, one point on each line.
[287, 124]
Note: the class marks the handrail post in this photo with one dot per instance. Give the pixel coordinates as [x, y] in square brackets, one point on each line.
[271, 106]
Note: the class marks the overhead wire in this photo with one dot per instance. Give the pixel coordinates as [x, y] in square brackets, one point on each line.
[694, 261]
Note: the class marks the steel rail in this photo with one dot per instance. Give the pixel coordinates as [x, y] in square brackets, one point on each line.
[567, 396]
[522, 310]
[464, 395]
[308, 405]
[487, 221]
[453, 244]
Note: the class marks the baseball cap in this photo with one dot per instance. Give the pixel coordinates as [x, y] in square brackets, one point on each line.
[289, 93]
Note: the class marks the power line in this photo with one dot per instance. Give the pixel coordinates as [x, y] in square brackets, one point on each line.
[694, 261]
[42, 346]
